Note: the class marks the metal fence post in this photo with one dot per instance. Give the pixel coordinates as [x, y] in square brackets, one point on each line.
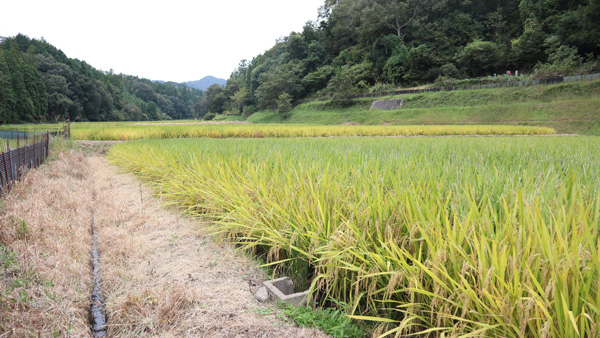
[5, 172]
[10, 164]
[47, 144]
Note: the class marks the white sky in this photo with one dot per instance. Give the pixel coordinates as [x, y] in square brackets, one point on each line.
[173, 40]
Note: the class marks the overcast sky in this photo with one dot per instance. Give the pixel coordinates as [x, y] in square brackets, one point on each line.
[172, 40]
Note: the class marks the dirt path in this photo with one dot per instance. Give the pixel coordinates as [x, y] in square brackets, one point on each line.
[162, 276]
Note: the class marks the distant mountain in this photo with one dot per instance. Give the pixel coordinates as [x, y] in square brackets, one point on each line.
[206, 82]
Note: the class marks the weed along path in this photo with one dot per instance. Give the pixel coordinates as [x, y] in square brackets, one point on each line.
[162, 276]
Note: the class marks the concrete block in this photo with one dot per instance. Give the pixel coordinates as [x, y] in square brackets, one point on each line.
[283, 289]
[387, 104]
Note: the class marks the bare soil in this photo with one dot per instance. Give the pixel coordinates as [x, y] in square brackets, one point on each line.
[162, 276]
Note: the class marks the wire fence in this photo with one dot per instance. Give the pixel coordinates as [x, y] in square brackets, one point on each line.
[23, 149]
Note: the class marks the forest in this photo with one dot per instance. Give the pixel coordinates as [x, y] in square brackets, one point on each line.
[39, 83]
[355, 46]
[371, 45]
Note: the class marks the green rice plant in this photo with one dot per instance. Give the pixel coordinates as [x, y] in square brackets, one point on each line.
[431, 237]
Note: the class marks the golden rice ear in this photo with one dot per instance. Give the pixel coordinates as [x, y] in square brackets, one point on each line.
[274, 254]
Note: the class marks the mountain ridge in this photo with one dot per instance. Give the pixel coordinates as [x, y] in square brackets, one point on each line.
[206, 82]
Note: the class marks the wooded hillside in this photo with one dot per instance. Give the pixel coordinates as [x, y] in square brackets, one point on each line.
[372, 45]
[38, 82]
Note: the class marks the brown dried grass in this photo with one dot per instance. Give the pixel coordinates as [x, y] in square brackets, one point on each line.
[45, 221]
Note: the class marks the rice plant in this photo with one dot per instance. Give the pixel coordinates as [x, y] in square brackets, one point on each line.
[130, 131]
[435, 237]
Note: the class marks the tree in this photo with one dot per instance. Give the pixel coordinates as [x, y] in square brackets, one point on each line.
[151, 111]
[296, 46]
[8, 113]
[240, 99]
[405, 12]
[529, 47]
[284, 105]
[383, 48]
[58, 96]
[318, 79]
[216, 99]
[397, 65]
[479, 57]
[285, 78]
[349, 80]
[316, 57]
[133, 112]
[25, 94]
[561, 62]
[145, 92]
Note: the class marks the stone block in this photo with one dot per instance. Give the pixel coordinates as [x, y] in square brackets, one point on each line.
[262, 295]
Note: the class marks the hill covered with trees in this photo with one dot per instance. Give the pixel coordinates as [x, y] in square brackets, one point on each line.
[370, 45]
[38, 82]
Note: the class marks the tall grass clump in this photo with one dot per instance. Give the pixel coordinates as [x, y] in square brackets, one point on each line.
[494, 237]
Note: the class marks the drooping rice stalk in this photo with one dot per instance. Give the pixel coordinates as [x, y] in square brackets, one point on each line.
[443, 237]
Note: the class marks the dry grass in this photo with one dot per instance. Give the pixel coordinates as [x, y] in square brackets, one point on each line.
[95, 147]
[45, 222]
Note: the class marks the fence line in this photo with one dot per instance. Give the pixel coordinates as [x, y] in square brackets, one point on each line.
[13, 161]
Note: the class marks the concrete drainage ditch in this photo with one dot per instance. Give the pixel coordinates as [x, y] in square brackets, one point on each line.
[282, 289]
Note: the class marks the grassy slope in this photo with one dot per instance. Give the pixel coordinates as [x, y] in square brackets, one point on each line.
[568, 107]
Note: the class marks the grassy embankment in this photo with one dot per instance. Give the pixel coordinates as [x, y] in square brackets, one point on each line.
[568, 108]
[477, 236]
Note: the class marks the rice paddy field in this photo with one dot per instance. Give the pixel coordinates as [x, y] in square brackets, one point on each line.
[432, 237]
[123, 131]
[136, 132]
